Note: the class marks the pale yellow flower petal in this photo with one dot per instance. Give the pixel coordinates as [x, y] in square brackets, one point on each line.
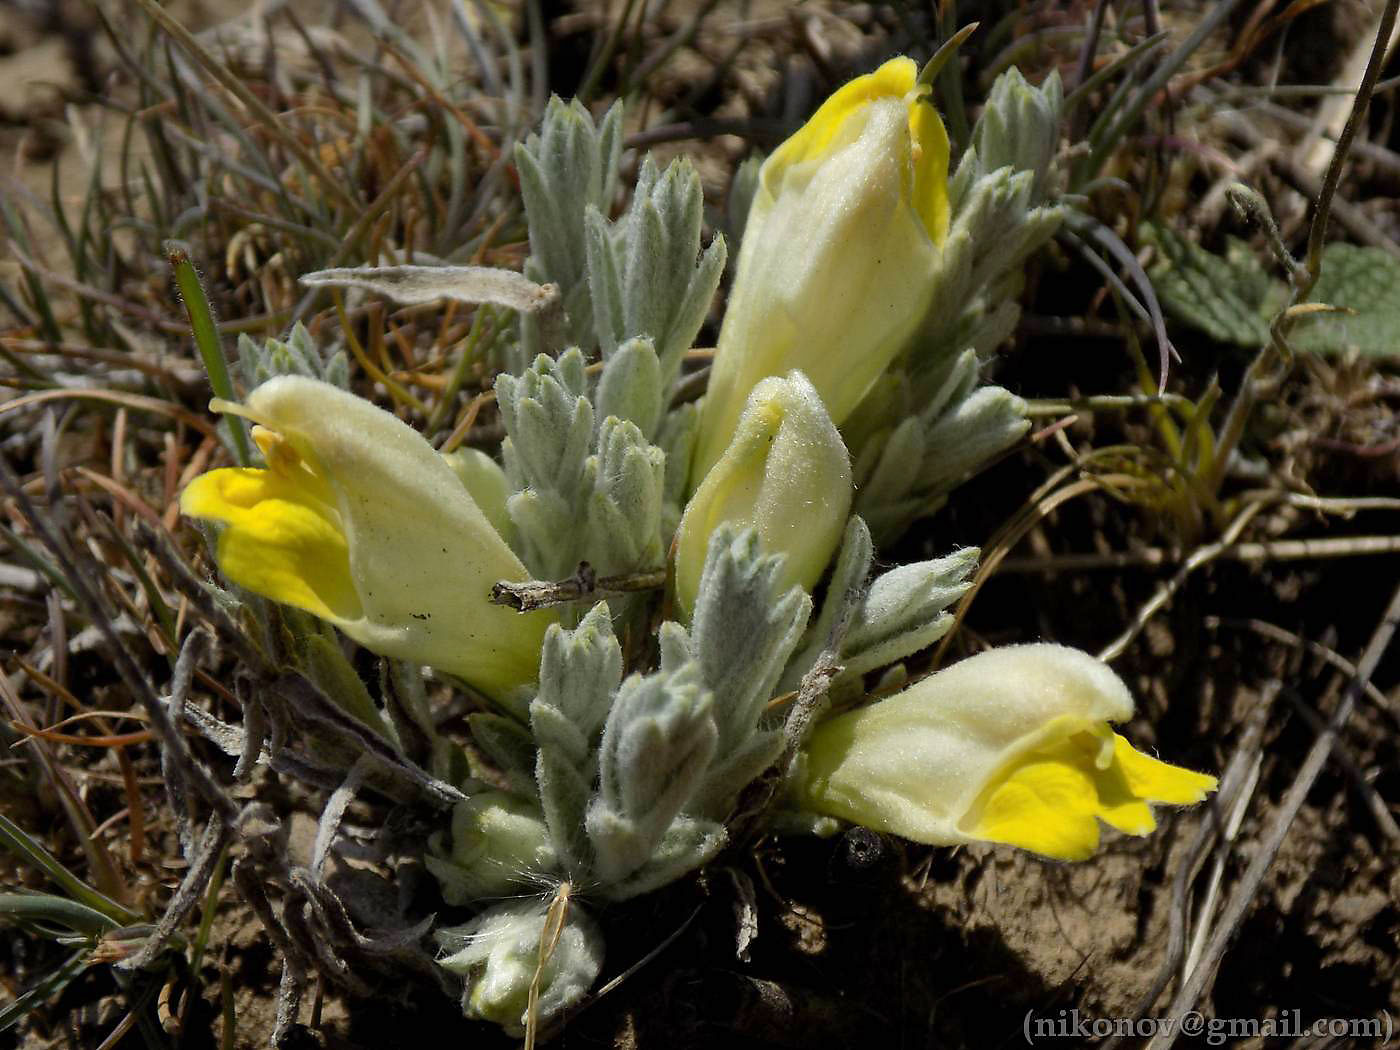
[361, 522]
[786, 474]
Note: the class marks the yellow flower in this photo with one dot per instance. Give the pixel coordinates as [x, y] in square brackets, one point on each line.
[787, 474]
[1011, 746]
[359, 521]
[839, 252]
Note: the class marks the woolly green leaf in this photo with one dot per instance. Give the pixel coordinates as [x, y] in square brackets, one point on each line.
[1230, 298]
[1363, 280]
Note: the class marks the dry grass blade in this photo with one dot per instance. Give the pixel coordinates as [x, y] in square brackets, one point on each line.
[139, 402]
[1244, 892]
[254, 105]
[1040, 506]
[1331, 656]
[1263, 551]
[1237, 784]
[1203, 555]
[553, 930]
[112, 891]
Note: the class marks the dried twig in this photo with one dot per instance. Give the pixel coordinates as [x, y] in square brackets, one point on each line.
[1243, 896]
[1202, 555]
[302, 697]
[1330, 656]
[583, 586]
[816, 683]
[1236, 783]
[190, 892]
[1268, 550]
[1345, 758]
[334, 812]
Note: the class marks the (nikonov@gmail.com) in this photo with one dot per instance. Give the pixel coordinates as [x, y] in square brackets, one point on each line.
[1194, 1025]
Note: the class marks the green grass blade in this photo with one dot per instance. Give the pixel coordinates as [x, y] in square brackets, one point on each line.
[1159, 79]
[77, 917]
[1138, 52]
[48, 986]
[206, 338]
[13, 838]
[48, 324]
[206, 922]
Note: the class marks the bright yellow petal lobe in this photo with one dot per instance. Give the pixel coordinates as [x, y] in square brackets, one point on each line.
[894, 79]
[1159, 781]
[1044, 805]
[280, 539]
[897, 78]
[1050, 799]
[930, 140]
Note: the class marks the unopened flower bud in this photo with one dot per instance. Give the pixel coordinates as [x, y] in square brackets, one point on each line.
[786, 474]
[840, 251]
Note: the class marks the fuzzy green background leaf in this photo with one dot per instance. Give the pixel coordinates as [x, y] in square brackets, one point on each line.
[1232, 297]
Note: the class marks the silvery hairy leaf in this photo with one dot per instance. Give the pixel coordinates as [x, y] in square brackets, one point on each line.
[674, 642]
[989, 329]
[743, 631]
[624, 509]
[630, 387]
[848, 577]
[908, 472]
[905, 610]
[887, 470]
[580, 671]
[969, 434]
[549, 423]
[567, 167]
[938, 389]
[733, 771]
[688, 843]
[889, 478]
[298, 355]
[643, 269]
[658, 739]
[1020, 126]
[574, 501]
